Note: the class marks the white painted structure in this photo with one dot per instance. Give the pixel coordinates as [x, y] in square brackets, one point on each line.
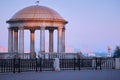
[117, 63]
[35, 18]
[56, 64]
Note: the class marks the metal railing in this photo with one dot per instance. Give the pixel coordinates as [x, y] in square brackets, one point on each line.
[24, 65]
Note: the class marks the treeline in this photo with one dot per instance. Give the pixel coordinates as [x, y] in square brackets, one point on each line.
[117, 52]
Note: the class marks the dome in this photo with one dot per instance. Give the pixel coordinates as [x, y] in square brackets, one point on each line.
[37, 13]
[35, 16]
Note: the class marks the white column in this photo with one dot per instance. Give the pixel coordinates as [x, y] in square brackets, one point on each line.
[42, 39]
[21, 42]
[10, 40]
[16, 40]
[63, 39]
[51, 40]
[59, 48]
[32, 44]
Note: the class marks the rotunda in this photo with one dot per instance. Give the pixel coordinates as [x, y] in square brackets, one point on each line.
[35, 18]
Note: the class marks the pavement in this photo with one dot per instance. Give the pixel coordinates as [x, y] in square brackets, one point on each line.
[64, 75]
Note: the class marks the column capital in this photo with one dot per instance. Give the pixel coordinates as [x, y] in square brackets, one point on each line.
[32, 30]
[64, 28]
[10, 28]
[15, 29]
[21, 27]
[60, 28]
[51, 30]
[42, 27]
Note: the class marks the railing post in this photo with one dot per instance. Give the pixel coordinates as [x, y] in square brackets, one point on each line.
[93, 63]
[14, 65]
[18, 64]
[96, 63]
[36, 64]
[56, 64]
[40, 64]
[74, 64]
[53, 65]
[79, 63]
[100, 62]
[117, 63]
[113, 63]
[3, 65]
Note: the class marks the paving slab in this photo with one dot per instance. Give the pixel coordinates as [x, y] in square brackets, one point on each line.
[64, 75]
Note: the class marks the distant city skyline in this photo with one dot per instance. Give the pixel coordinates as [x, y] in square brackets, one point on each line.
[93, 25]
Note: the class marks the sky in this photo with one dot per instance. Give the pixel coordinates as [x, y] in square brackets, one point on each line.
[93, 25]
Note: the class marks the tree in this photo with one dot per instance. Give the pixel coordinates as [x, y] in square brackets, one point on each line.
[117, 52]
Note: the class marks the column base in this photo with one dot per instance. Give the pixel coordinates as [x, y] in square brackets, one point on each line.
[32, 55]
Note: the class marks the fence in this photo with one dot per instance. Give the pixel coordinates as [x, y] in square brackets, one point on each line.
[24, 65]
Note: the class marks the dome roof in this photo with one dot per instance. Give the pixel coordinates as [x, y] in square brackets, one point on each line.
[37, 12]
